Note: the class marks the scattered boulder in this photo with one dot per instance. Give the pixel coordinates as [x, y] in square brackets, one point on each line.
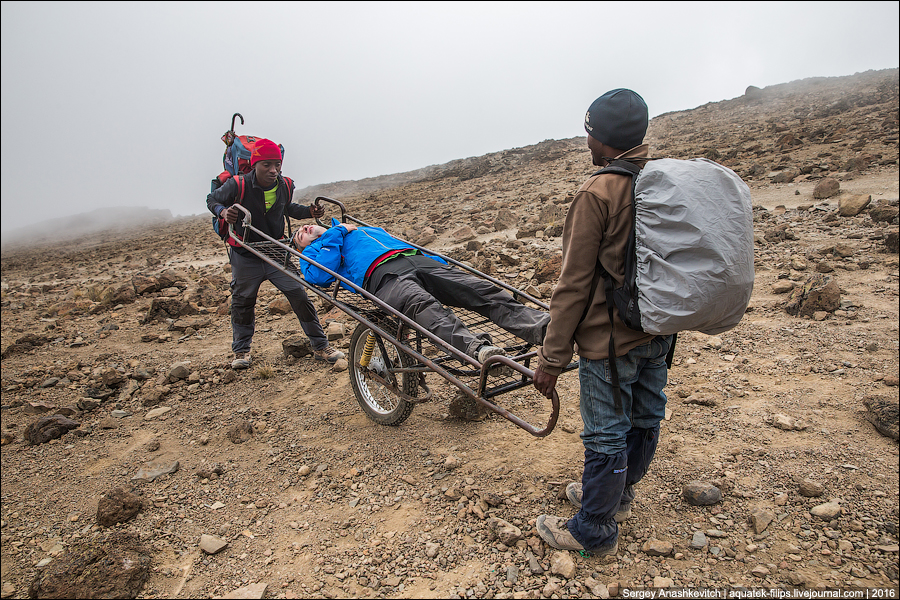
[826, 188]
[760, 519]
[819, 293]
[561, 564]
[811, 489]
[280, 306]
[883, 213]
[48, 427]
[116, 568]
[212, 544]
[700, 493]
[151, 471]
[297, 347]
[117, 506]
[653, 547]
[850, 206]
[507, 533]
[241, 432]
[883, 412]
[466, 408]
[828, 511]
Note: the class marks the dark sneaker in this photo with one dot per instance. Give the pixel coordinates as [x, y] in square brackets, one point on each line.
[241, 360]
[574, 493]
[329, 354]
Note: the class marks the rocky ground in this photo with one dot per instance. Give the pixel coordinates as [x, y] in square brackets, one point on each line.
[126, 435]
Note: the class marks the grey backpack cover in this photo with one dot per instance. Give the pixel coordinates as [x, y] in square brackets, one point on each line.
[693, 227]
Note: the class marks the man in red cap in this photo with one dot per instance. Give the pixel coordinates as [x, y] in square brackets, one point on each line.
[267, 195]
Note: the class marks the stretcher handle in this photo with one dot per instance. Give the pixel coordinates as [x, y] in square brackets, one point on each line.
[245, 222]
[505, 360]
[332, 201]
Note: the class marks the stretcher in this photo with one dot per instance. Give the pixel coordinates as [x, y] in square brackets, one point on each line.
[390, 354]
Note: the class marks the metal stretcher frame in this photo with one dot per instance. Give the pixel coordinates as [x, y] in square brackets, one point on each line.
[497, 375]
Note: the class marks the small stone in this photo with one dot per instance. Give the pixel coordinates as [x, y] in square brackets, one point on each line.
[760, 571]
[157, 412]
[663, 582]
[760, 519]
[699, 493]
[212, 544]
[561, 564]
[254, 591]
[811, 489]
[699, 541]
[828, 511]
[654, 547]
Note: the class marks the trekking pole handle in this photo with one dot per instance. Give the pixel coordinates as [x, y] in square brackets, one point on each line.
[235, 116]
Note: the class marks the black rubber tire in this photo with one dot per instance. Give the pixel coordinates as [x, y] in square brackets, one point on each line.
[378, 402]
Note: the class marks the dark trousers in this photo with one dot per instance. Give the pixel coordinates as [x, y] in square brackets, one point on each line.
[422, 289]
[247, 274]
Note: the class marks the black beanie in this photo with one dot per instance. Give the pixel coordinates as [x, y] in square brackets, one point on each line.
[618, 119]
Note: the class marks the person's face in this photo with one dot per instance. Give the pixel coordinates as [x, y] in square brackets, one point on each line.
[267, 172]
[597, 151]
[307, 234]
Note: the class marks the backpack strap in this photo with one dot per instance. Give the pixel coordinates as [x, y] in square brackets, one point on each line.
[239, 178]
[289, 183]
[617, 167]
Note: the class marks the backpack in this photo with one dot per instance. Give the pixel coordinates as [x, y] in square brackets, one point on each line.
[236, 160]
[689, 257]
[220, 226]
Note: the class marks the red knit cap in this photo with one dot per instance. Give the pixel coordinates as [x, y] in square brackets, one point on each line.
[264, 150]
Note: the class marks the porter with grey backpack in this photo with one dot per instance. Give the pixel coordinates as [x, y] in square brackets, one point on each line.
[689, 258]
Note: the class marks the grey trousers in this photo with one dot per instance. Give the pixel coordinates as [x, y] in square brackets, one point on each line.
[420, 287]
[247, 274]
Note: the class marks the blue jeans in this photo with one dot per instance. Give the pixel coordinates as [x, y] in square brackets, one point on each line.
[618, 448]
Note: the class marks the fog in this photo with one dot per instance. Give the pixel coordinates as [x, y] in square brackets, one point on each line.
[117, 104]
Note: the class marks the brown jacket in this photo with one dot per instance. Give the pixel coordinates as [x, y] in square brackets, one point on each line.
[596, 228]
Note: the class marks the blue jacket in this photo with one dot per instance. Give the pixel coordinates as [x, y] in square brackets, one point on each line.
[349, 254]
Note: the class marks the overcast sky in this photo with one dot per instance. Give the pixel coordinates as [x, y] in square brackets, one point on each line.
[123, 104]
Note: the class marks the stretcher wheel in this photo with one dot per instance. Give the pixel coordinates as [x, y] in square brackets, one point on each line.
[378, 401]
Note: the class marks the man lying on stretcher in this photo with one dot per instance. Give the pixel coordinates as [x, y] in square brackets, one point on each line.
[416, 284]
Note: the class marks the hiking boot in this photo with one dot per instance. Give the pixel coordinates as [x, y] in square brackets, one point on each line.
[486, 351]
[574, 493]
[241, 360]
[553, 531]
[328, 353]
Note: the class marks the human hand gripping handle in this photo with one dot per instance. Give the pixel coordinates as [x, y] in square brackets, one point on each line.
[544, 382]
[231, 214]
[316, 209]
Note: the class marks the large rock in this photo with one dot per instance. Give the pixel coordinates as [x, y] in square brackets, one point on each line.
[298, 347]
[168, 308]
[117, 506]
[883, 213]
[819, 293]
[548, 270]
[115, 568]
[850, 206]
[48, 427]
[700, 493]
[883, 413]
[505, 219]
[826, 188]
